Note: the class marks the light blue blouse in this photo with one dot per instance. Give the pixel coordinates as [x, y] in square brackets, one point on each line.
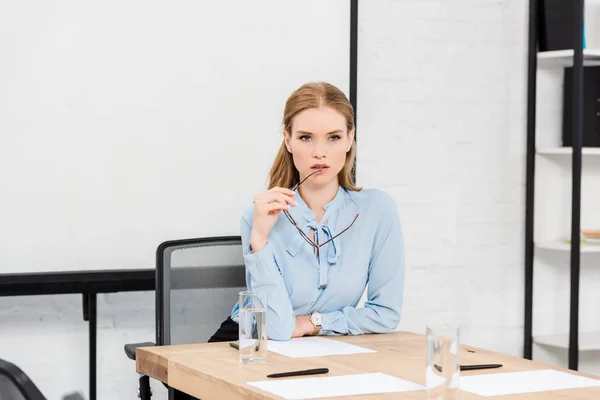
[298, 283]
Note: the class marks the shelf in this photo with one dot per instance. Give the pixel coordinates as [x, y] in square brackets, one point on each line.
[588, 341]
[567, 151]
[563, 245]
[564, 58]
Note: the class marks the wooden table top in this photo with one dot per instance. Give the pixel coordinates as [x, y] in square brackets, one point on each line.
[213, 371]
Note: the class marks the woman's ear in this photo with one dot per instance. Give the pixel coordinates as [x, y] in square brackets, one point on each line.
[351, 137]
[286, 140]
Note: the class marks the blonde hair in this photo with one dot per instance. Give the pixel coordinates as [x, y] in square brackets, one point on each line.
[313, 95]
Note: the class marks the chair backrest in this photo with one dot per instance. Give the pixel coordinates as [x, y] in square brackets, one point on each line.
[16, 385]
[197, 285]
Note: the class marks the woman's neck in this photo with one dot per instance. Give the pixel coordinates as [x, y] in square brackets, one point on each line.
[316, 197]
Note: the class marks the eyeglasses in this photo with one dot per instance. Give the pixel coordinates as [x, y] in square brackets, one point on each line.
[316, 246]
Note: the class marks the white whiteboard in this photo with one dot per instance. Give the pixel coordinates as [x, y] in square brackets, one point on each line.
[127, 123]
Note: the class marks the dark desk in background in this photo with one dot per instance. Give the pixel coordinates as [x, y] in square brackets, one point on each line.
[89, 284]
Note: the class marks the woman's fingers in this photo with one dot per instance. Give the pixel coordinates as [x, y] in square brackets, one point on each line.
[288, 192]
[270, 197]
[275, 206]
[275, 199]
[287, 199]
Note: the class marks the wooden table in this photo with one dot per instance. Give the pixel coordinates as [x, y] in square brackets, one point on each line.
[212, 370]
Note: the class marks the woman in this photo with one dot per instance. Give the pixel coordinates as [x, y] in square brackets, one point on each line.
[314, 249]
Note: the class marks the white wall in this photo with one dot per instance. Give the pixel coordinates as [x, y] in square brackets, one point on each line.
[441, 126]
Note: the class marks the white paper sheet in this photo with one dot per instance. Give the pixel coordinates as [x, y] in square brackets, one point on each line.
[523, 382]
[345, 385]
[314, 347]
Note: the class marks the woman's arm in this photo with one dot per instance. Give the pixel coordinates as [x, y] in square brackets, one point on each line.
[381, 313]
[263, 274]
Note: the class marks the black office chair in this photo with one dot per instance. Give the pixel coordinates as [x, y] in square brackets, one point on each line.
[16, 385]
[197, 285]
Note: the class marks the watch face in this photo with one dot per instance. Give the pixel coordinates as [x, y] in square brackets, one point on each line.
[317, 319]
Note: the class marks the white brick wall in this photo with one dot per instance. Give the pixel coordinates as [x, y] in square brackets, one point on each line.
[441, 126]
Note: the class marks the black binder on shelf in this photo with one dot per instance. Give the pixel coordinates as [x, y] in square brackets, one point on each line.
[591, 107]
[556, 25]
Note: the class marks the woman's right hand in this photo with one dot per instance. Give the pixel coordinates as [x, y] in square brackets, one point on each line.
[267, 206]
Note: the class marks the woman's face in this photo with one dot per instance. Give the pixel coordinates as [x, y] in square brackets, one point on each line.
[319, 140]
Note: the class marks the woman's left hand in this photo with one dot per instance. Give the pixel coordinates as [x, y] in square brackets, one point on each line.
[303, 326]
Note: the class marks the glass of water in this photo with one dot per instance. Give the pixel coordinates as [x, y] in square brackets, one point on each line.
[442, 369]
[253, 327]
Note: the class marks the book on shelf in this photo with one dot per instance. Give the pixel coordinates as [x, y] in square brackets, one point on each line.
[591, 107]
[591, 236]
[587, 236]
[556, 25]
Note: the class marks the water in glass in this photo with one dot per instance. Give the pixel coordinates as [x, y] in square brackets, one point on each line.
[253, 328]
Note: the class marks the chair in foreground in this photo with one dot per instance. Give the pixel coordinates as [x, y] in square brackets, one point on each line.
[16, 385]
[197, 285]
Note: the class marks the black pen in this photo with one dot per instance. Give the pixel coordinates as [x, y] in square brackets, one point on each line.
[298, 373]
[480, 366]
[472, 367]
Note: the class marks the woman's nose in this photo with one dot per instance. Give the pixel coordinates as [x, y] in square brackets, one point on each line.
[319, 150]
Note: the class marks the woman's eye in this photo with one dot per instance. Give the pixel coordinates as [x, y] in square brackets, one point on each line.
[334, 137]
[304, 138]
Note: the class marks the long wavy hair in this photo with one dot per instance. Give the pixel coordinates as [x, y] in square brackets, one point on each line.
[313, 95]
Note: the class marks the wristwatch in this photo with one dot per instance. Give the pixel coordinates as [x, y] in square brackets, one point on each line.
[317, 320]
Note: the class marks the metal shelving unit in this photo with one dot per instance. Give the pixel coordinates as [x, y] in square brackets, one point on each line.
[574, 58]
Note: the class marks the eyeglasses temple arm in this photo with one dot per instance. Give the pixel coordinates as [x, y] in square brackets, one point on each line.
[329, 240]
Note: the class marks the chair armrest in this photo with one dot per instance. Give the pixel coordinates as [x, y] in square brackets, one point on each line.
[130, 348]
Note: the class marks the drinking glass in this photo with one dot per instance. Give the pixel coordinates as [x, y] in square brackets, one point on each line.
[253, 327]
[442, 370]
